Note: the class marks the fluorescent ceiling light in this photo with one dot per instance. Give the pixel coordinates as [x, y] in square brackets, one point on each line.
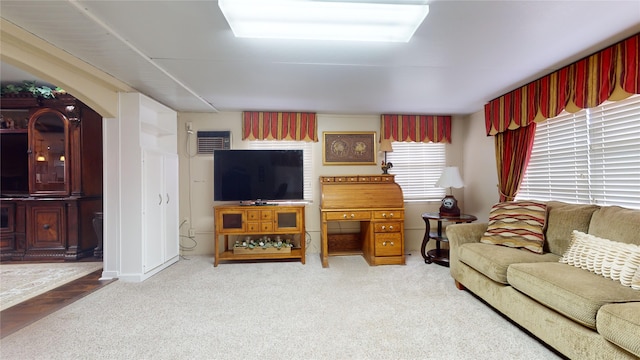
[324, 20]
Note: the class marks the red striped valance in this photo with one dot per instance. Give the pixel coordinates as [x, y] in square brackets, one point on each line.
[261, 125]
[611, 74]
[419, 128]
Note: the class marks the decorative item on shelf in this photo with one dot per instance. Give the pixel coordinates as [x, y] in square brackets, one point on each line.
[60, 150]
[263, 244]
[39, 155]
[449, 178]
[9, 124]
[72, 114]
[30, 87]
[385, 146]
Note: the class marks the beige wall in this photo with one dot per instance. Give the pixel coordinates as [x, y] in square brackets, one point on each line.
[481, 180]
[196, 177]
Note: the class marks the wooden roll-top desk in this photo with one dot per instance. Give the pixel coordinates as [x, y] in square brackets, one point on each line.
[376, 202]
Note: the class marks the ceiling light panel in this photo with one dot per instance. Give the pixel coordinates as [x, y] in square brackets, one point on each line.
[323, 20]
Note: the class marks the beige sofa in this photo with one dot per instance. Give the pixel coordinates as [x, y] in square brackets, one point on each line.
[577, 312]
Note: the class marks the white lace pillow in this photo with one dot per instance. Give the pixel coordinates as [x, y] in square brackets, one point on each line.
[612, 259]
[635, 282]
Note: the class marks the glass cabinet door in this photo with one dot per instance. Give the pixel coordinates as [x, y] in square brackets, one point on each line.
[288, 220]
[231, 221]
[48, 160]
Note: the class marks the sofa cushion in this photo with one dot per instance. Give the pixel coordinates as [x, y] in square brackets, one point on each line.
[611, 259]
[562, 219]
[616, 223]
[517, 224]
[493, 261]
[620, 324]
[571, 291]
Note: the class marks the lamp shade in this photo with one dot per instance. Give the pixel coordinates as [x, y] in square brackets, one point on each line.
[385, 145]
[450, 178]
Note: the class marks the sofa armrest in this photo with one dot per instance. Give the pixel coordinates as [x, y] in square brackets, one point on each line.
[459, 234]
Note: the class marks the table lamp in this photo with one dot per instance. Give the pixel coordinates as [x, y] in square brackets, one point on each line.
[385, 145]
[450, 178]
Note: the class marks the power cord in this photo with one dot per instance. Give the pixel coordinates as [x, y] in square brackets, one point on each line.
[190, 219]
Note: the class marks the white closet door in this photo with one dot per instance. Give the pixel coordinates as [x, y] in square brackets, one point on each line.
[154, 200]
[171, 216]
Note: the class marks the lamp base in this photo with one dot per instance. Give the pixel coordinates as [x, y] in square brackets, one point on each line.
[449, 207]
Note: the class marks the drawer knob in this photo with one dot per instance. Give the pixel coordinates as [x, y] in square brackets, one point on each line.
[384, 243]
[46, 226]
[391, 227]
[344, 216]
[353, 215]
[383, 227]
[384, 215]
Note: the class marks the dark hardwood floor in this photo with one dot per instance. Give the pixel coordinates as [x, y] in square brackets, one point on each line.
[34, 309]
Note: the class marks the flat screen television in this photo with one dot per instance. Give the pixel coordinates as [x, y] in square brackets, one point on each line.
[258, 176]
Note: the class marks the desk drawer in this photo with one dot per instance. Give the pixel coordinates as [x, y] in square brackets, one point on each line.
[389, 214]
[348, 215]
[259, 227]
[387, 226]
[388, 244]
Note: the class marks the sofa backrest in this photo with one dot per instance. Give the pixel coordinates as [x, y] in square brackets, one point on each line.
[617, 224]
[562, 219]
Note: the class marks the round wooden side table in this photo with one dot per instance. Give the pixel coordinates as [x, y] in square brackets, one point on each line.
[438, 255]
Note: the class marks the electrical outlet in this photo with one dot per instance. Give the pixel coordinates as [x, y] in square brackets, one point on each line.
[192, 233]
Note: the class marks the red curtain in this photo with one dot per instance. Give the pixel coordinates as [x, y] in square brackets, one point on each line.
[419, 128]
[611, 74]
[260, 125]
[513, 151]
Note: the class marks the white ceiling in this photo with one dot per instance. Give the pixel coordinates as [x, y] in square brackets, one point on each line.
[183, 54]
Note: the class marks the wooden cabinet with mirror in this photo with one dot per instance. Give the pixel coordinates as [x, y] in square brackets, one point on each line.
[51, 178]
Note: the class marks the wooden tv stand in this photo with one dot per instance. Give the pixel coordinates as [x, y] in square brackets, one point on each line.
[255, 221]
[376, 202]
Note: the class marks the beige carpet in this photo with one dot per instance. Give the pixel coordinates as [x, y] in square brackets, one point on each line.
[278, 310]
[19, 282]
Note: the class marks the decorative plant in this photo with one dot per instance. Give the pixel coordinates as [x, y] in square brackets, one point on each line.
[264, 242]
[31, 87]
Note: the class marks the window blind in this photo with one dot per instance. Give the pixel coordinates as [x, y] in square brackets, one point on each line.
[417, 167]
[592, 156]
[292, 145]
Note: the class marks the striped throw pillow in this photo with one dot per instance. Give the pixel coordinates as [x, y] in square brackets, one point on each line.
[517, 224]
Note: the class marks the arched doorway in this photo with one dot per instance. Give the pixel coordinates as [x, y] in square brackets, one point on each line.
[96, 89]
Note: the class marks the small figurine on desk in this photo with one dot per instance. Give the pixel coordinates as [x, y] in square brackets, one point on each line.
[386, 167]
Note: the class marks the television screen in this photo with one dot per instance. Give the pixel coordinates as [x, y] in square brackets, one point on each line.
[251, 175]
